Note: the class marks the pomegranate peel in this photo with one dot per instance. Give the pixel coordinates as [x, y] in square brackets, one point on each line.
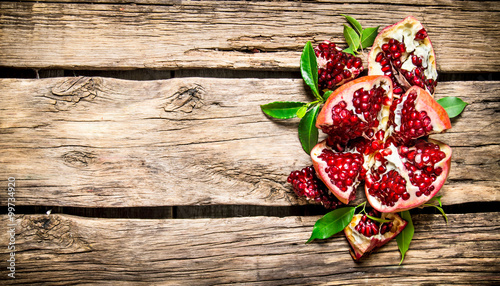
[404, 52]
[364, 234]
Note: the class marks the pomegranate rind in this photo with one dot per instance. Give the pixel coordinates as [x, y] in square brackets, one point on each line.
[410, 22]
[414, 201]
[345, 93]
[362, 245]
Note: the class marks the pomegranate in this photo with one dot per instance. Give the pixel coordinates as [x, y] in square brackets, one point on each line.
[365, 234]
[404, 52]
[306, 184]
[334, 66]
[358, 108]
[381, 143]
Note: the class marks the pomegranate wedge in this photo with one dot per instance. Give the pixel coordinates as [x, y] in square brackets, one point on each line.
[405, 177]
[364, 234]
[404, 53]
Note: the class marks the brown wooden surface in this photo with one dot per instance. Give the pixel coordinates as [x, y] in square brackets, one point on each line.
[174, 175]
[102, 142]
[63, 250]
[206, 34]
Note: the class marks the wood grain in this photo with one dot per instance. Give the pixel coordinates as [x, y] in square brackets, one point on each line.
[62, 250]
[102, 142]
[232, 35]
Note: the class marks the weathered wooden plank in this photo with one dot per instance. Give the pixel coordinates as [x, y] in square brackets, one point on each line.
[63, 249]
[232, 34]
[101, 142]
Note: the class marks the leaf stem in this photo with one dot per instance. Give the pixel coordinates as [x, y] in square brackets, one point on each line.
[361, 204]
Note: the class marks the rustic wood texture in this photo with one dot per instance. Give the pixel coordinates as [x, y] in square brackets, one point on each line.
[62, 250]
[235, 35]
[102, 142]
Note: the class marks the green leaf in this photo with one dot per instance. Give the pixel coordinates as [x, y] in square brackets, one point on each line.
[453, 105]
[349, 50]
[302, 111]
[332, 223]
[282, 109]
[309, 68]
[351, 37]
[368, 36]
[405, 237]
[327, 94]
[354, 23]
[377, 219]
[439, 209]
[308, 133]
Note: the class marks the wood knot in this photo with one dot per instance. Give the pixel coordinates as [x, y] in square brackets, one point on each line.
[72, 90]
[78, 159]
[186, 99]
[57, 232]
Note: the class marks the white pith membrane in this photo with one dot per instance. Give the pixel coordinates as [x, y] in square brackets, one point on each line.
[397, 118]
[405, 32]
[361, 244]
[397, 162]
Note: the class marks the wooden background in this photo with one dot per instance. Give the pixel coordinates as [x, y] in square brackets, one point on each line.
[137, 124]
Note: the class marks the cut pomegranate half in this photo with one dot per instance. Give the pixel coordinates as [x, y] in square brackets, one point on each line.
[364, 234]
[405, 177]
[404, 52]
[357, 108]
